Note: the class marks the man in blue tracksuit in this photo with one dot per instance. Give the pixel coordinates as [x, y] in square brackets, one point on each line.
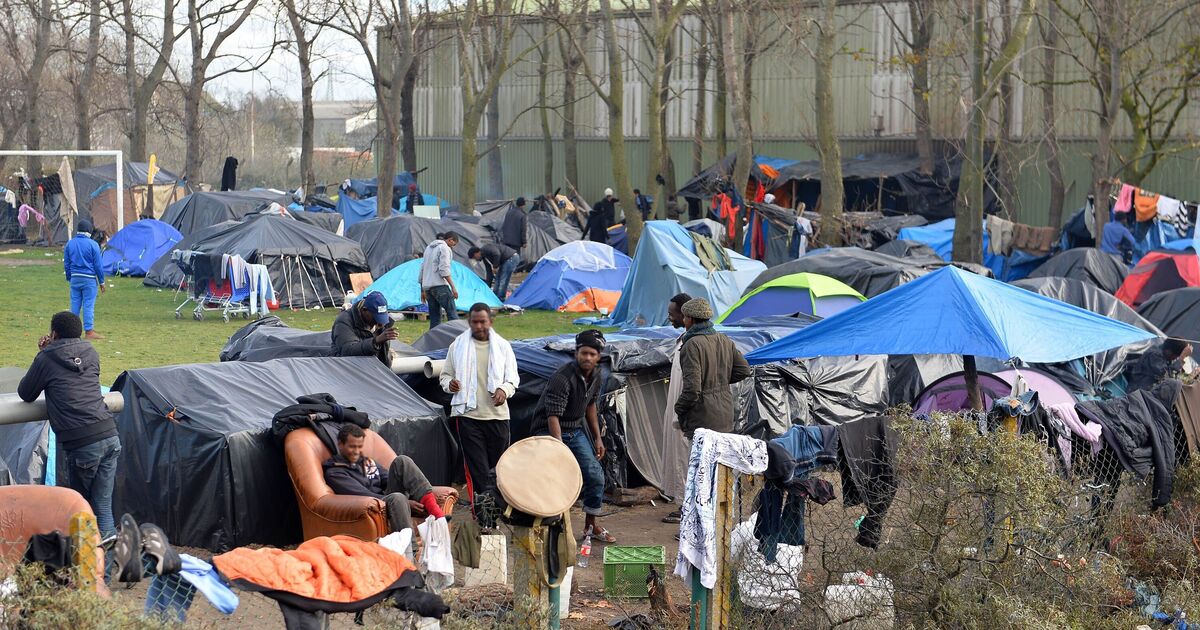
[81, 262]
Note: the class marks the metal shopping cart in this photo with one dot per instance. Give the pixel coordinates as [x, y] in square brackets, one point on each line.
[213, 285]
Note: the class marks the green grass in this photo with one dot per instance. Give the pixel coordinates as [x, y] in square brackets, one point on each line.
[139, 323]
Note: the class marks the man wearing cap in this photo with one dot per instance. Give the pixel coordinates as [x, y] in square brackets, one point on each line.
[567, 411]
[364, 330]
[437, 285]
[708, 363]
[85, 273]
[603, 216]
[514, 231]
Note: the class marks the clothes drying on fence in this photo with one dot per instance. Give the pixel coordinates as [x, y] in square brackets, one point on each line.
[1034, 240]
[172, 594]
[1172, 211]
[1089, 432]
[697, 538]
[262, 291]
[1145, 205]
[25, 212]
[791, 458]
[1140, 429]
[867, 451]
[1000, 235]
[1124, 199]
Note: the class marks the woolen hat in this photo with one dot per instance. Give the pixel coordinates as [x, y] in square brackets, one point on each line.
[608, 192]
[697, 308]
[592, 338]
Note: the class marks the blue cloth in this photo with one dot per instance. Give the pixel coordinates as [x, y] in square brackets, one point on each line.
[83, 299]
[810, 447]
[82, 258]
[356, 210]
[951, 311]
[137, 246]
[1116, 239]
[93, 470]
[202, 576]
[940, 237]
[402, 286]
[593, 475]
[571, 269]
[504, 275]
[440, 299]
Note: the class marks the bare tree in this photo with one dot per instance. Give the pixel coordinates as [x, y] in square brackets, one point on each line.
[141, 87]
[700, 117]
[27, 29]
[1049, 31]
[83, 68]
[833, 195]
[916, 34]
[543, 99]
[572, 42]
[730, 45]
[304, 33]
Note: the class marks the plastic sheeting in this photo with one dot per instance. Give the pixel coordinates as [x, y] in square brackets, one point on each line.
[402, 287]
[389, 243]
[269, 338]
[131, 251]
[1176, 313]
[1086, 264]
[570, 270]
[706, 182]
[198, 457]
[205, 209]
[370, 187]
[870, 273]
[951, 311]
[24, 448]
[543, 231]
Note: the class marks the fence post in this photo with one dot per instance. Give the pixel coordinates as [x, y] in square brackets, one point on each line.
[711, 608]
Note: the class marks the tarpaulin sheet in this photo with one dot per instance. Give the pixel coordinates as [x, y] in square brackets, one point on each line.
[705, 183]
[389, 243]
[269, 338]
[204, 209]
[870, 273]
[137, 246]
[402, 287]
[199, 460]
[1087, 264]
[951, 311]
[355, 211]
[24, 447]
[1175, 312]
[370, 187]
[329, 221]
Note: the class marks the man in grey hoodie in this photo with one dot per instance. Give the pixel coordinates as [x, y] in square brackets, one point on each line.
[67, 369]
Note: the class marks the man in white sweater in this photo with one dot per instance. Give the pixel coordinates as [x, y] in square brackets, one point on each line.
[481, 374]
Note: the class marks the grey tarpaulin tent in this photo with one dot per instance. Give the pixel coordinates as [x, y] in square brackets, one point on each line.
[198, 457]
[870, 273]
[544, 231]
[1087, 264]
[269, 338]
[204, 209]
[391, 242]
[24, 448]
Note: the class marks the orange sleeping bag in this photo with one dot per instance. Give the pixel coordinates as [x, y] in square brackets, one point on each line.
[339, 569]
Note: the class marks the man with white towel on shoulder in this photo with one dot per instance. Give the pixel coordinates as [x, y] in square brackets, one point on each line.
[481, 374]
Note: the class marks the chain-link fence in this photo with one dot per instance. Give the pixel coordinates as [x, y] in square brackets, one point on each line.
[972, 530]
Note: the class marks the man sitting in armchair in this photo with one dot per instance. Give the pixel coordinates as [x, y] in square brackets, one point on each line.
[351, 472]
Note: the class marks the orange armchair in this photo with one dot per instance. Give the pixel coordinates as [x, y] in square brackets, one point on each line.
[323, 513]
[29, 510]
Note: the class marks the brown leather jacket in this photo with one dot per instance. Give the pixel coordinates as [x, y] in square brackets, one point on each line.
[708, 363]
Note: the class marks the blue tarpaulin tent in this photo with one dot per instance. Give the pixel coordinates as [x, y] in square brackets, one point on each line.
[579, 276]
[940, 237]
[402, 287]
[370, 187]
[355, 210]
[951, 311]
[133, 249]
[666, 264]
[426, 200]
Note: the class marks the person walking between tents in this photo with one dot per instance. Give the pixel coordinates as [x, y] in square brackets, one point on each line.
[514, 231]
[708, 362]
[567, 411]
[67, 369]
[364, 330]
[85, 273]
[480, 373]
[350, 472]
[674, 386]
[603, 216]
[437, 287]
[501, 262]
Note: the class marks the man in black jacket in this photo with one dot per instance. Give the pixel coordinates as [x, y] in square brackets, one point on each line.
[603, 216]
[351, 472]
[67, 369]
[514, 231]
[501, 262]
[364, 330]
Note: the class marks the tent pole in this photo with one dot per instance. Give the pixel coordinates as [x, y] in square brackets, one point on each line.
[971, 379]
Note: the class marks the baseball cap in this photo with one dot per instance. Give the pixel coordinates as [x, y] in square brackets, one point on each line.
[377, 304]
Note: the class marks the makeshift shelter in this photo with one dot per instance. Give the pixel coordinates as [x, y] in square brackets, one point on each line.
[951, 311]
[666, 264]
[771, 234]
[577, 277]
[198, 457]
[309, 266]
[355, 210]
[807, 293]
[1157, 272]
[901, 248]
[1175, 312]
[11, 230]
[132, 250]
[543, 232]
[27, 452]
[145, 197]
[391, 242]
[950, 392]
[426, 200]
[707, 183]
[269, 338]
[363, 188]
[329, 221]
[870, 273]
[1087, 264]
[1080, 229]
[204, 209]
[402, 287]
[940, 237]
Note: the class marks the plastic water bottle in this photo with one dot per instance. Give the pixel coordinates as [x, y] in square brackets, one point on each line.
[585, 550]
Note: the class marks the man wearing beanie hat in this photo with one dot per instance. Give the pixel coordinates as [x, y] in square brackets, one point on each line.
[709, 363]
[85, 273]
[567, 411]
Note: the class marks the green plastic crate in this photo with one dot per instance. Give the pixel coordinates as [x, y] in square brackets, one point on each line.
[626, 568]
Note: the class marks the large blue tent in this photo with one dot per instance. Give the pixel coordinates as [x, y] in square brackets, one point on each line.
[666, 264]
[578, 276]
[135, 247]
[951, 311]
[402, 287]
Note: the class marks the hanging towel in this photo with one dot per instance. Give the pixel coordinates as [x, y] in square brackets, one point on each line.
[502, 370]
[1124, 199]
[1000, 235]
[1145, 204]
[437, 560]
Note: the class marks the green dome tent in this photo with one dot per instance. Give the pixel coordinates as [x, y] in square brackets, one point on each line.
[808, 293]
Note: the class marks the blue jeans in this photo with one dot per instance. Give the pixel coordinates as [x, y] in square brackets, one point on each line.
[440, 299]
[93, 470]
[593, 474]
[83, 298]
[504, 275]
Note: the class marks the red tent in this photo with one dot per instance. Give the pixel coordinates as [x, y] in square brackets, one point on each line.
[1158, 272]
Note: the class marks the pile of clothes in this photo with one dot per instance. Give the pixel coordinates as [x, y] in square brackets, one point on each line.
[1004, 236]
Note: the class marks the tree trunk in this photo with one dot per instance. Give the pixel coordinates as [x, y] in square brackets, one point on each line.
[741, 114]
[389, 156]
[308, 178]
[495, 163]
[408, 127]
[1049, 116]
[832, 193]
[571, 63]
[700, 121]
[668, 163]
[654, 108]
[921, 34]
[33, 86]
[468, 164]
[1109, 92]
[1002, 152]
[721, 98]
[193, 160]
[141, 94]
[968, 239]
[616, 128]
[83, 87]
[544, 116]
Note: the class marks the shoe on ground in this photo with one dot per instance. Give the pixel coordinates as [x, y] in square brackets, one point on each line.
[91, 334]
[673, 517]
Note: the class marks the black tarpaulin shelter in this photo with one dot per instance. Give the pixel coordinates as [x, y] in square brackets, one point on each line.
[11, 232]
[891, 183]
[329, 221]
[870, 273]
[309, 266]
[96, 193]
[544, 231]
[24, 447]
[203, 209]
[901, 248]
[269, 338]
[707, 183]
[1086, 264]
[198, 457]
[393, 241]
[1175, 312]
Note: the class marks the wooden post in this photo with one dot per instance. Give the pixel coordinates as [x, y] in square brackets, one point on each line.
[971, 379]
[711, 608]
